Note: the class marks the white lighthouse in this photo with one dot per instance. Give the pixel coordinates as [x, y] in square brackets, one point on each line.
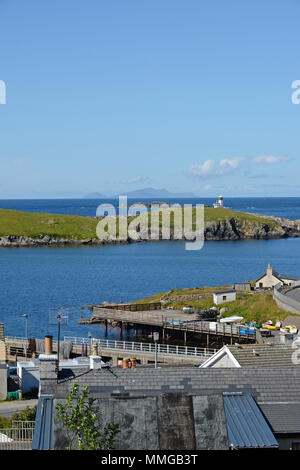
[219, 202]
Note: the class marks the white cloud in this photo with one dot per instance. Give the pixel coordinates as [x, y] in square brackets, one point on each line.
[137, 179]
[270, 159]
[213, 168]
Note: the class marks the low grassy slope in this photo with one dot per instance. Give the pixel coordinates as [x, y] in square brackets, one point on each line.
[258, 307]
[220, 214]
[33, 225]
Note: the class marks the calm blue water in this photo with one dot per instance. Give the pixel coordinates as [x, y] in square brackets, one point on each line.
[39, 281]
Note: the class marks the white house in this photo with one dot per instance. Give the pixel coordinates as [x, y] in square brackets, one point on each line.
[224, 296]
[271, 277]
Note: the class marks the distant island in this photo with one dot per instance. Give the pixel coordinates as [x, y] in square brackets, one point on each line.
[142, 193]
[37, 229]
[95, 196]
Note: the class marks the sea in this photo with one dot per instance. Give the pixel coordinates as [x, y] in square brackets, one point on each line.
[40, 282]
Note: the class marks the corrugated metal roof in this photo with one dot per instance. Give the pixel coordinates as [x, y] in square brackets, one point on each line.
[246, 425]
[42, 437]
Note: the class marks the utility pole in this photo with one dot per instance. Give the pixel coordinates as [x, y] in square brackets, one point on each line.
[26, 332]
[155, 337]
[58, 341]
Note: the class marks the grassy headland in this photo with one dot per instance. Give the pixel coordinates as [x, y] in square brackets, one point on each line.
[252, 306]
[34, 225]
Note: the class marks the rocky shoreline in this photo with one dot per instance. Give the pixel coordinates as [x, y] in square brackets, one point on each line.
[231, 229]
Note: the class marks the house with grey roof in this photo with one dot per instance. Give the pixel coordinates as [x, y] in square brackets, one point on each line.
[271, 278]
[182, 408]
[250, 355]
[220, 297]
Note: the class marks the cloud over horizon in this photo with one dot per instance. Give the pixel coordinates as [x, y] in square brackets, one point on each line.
[270, 159]
[211, 168]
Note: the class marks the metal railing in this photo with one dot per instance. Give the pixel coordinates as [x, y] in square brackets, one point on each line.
[143, 347]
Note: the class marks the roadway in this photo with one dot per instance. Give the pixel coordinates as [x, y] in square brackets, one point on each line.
[8, 408]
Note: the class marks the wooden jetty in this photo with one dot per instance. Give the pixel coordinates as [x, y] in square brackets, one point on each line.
[168, 322]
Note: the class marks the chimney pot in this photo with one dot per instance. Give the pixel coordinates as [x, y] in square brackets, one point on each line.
[48, 345]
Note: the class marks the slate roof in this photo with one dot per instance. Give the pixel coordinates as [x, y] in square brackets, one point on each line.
[264, 383]
[267, 385]
[275, 355]
[229, 291]
[290, 277]
[284, 416]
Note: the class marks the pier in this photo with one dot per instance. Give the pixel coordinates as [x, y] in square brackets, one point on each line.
[170, 323]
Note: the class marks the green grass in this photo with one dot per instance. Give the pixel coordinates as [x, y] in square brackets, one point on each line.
[221, 214]
[35, 225]
[257, 307]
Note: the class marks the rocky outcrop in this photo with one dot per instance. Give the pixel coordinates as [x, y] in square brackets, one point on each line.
[231, 229]
[13, 241]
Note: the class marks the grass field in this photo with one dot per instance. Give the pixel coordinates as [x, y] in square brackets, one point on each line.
[257, 307]
[16, 223]
[34, 225]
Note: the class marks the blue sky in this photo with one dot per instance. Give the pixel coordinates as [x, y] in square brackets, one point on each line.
[109, 96]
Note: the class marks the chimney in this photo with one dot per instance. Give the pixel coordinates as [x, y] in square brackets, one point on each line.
[48, 345]
[48, 368]
[95, 359]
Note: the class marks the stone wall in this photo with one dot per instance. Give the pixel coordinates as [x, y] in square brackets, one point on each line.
[169, 421]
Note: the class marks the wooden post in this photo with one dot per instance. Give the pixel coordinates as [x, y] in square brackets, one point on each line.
[184, 338]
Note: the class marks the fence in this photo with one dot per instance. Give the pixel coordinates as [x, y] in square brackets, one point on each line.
[285, 302]
[144, 347]
[18, 437]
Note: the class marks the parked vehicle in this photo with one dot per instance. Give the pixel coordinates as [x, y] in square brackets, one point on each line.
[188, 309]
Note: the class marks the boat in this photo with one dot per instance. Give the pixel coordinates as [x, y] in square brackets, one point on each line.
[270, 327]
[253, 324]
[289, 329]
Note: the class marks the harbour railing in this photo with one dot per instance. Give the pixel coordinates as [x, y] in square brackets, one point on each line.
[144, 347]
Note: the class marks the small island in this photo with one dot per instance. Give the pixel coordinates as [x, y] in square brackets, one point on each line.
[18, 229]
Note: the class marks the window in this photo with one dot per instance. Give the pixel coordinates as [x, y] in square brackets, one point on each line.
[295, 445]
[224, 297]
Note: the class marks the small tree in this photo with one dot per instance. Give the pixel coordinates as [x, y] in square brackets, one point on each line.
[81, 422]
